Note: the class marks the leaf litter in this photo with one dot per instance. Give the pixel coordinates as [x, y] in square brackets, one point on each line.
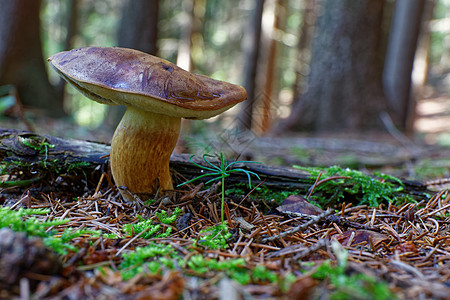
[264, 250]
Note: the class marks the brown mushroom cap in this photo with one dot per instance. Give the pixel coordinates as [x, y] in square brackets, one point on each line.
[128, 77]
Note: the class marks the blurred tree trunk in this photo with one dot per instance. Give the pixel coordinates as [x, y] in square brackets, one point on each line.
[72, 17]
[344, 85]
[278, 12]
[400, 54]
[138, 30]
[251, 47]
[139, 26]
[184, 59]
[306, 31]
[72, 23]
[21, 58]
[191, 38]
[421, 64]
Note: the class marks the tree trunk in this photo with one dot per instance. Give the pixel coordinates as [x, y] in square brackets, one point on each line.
[184, 59]
[139, 26]
[72, 17]
[421, 65]
[21, 58]
[138, 30]
[251, 47]
[306, 32]
[344, 86]
[271, 69]
[398, 65]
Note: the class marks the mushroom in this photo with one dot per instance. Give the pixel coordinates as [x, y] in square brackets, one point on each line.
[157, 94]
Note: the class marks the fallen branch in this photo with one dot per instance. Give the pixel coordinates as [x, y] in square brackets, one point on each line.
[33, 149]
[314, 220]
[48, 153]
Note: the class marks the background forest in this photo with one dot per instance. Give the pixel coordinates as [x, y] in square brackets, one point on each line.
[308, 66]
[330, 182]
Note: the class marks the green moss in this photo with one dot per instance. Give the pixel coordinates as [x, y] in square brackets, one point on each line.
[302, 154]
[214, 237]
[146, 228]
[337, 183]
[352, 286]
[432, 169]
[234, 268]
[22, 220]
[78, 166]
[165, 219]
[61, 243]
[261, 273]
[152, 257]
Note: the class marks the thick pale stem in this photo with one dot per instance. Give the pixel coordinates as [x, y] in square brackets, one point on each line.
[140, 152]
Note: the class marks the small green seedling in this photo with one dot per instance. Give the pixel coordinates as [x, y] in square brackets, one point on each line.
[221, 171]
[41, 147]
[18, 183]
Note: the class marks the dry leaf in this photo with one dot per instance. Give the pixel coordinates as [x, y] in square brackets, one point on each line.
[355, 237]
[302, 288]
[298, 204]
[405, 247]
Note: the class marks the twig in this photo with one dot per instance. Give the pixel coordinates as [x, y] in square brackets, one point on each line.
[244, 224]
[437, 210]
[24, 288]
[408, 268]
[319, 182]
[131, 240]
[302, 227]
[398, 135]
[320, 244]
[311, 189]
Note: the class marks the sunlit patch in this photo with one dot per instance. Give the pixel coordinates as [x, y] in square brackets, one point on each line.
[433, 119]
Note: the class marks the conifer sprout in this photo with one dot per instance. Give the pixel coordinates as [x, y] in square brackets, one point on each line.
[157, 95]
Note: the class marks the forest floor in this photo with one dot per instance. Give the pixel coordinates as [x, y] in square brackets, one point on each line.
[367, 236]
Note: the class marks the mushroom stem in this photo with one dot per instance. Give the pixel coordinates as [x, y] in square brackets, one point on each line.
[140, 152]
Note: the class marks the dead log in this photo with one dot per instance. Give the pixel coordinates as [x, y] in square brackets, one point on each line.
[45, 152]
[30, 147]
[31, 154]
